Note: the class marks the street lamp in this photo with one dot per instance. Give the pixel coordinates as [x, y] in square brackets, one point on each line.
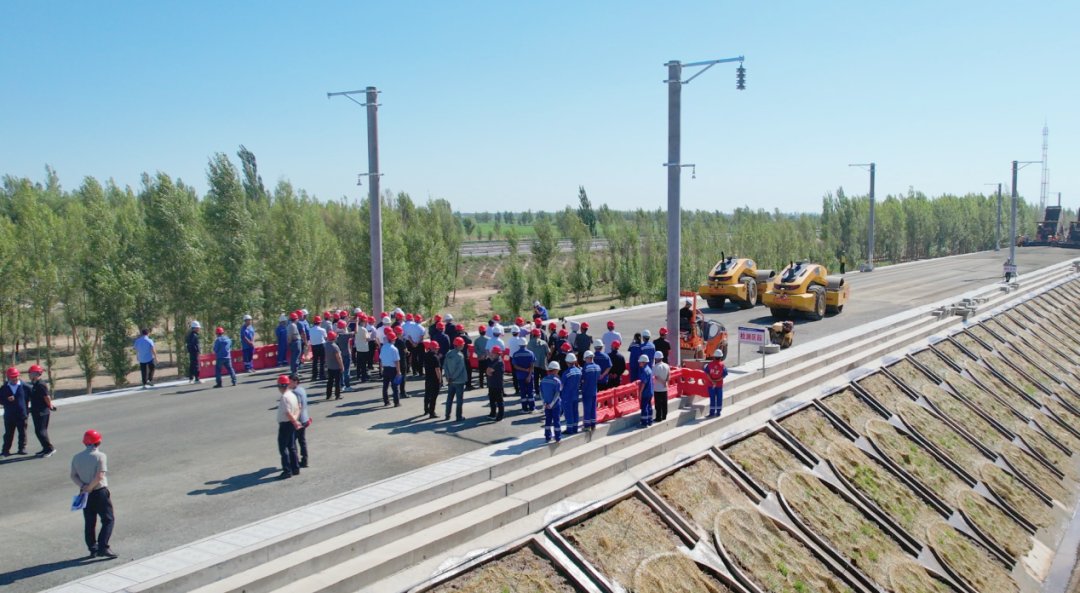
[675, 165]
[870, 250]
[374, 203]
[1012, 222]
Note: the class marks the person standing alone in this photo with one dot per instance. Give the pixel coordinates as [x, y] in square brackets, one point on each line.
[41, 407]
[247, 344]
[223, 357]
[193, 353]
[716, 370]
[88, 472]
[146, 354]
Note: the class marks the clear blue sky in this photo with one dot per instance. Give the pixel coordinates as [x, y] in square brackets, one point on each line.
[513, 105]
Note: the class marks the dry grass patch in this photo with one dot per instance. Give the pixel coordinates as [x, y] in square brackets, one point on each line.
[763, 458]
[932, 362]
[617, 540]
[885, 390]
[1044, 378]
[1037, 473]
[952, 351]
[851, 409]
[983, 334]
[970, 343]
[523, 571]
[1015, 494]
[1006, 327]
[910, 577]
[1000, 389]
[672, 572]
[776, 561]
[994, 523]
[1058, 458]
[905, 371]
[939, 433]
[702, 490]
[1015, 378]
[986, 402]
[812, 429]
[971, 562]
[1066, 416]
[959, 412]
[915, 460]
[841, 524]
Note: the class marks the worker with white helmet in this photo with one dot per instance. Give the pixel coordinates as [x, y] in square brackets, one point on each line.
[716, 370]
[661, 376]
[645, 389]
[647, 347]
[193, 353]
[571, 393]
[603, 361]
[540, 311]
[590, 380]
[282, 332]
[247, 344]
[550, 392]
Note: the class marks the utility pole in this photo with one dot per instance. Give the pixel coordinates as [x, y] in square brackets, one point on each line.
[674, 165]
[374, 202]
[1012, 220]
[997, 242]
[870, 246]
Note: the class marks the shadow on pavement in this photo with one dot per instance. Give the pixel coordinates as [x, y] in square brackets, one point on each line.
[17, 458]
[265, 475]
[520, 448]
[9, 578]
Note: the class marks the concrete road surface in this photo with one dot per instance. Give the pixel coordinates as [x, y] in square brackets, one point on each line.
[187, 462]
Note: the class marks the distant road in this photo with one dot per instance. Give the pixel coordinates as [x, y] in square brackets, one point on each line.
[494, 248]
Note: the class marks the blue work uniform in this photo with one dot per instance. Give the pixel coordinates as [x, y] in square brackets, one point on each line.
[248, 333]
[193, 355]
[223, 358]
[444, 343]
[526, 359]
[590, 377]
[648, 349]
[550, 392]
[282, 333]
[571, 393]
[645, 375]
[541, 312]
[604, 362]
[632, 362]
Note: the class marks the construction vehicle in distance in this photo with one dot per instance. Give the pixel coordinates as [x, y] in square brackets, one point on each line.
[806, 287]
[736, 279]
[1072, 237]
[701, 338]
[1049, 230]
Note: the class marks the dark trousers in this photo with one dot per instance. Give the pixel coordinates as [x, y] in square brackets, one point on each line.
[223, 363]
[363, 360]
[660, 402]
[416, 356]
[371, 355]
[388, 376]
[11, 425]
[468, 374]
[146, 369]
[193, 367]
[481, 368]
[431, 395]
[296, 350]
[455, 392]
[249, 355]
[286, 443]
[345, 379]
[333, 381]
[301, 443]
[41, 430]
[98, 504]
[318, 362]
[282, 353]
[495, 400]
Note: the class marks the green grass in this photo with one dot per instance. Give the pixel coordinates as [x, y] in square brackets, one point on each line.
[523, 231]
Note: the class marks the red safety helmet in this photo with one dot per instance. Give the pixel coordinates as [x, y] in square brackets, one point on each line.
[342, 325]
[496, 318]
[326, 314]
[611, 325]
[536, 331]
[459, 327]
[418, 318]
[438, 318]
[552, 325]
[92, 437]
[387, 331]
[283, 380]
[293, 316]
[343, 313]
[399, 330]
[13, 373]
[565, 347]
[519, 321]
[399, 315]
[537, 321]
[36, 368]
[219, 330]
[615, 344]
[300, 313]
[408, 317]
[482, 329]
[459, 341]
[663, 331]
[563, 333]
[584, 325]
[318, 319]
[331, 334]
[496, 350]
[440, 326]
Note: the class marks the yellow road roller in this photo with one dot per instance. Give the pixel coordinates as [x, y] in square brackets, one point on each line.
[736, 279]
[806, 287]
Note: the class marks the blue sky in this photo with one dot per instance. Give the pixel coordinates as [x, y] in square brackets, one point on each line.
[512, 105]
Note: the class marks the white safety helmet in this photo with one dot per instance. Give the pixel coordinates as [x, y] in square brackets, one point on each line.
[589, 354]
[247, 317]
[448, 317]
[643, 358]
[386, 320]
[304, 311]
[553, 366]
[718, 353]
[397, 310]
[646, 334]
[570, 357]
[514, 329]
[496, 330]
[357, 311]
[597, 344]
[195, 325]
[536, 303]
[658, 355]
[283, 318]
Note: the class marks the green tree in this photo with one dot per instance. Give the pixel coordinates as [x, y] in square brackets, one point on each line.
[232, 256]
[511, 237]
[546, 245]
[585, 211]
[253, 183]
[468, 225]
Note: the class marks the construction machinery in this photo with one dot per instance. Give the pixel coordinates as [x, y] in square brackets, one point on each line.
[782, 333]
[700, 337]
[806, 287]
[1049, 230]
[1072, 237]
[736, 279]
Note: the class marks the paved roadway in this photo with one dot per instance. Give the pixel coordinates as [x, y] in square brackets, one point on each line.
[187, 462]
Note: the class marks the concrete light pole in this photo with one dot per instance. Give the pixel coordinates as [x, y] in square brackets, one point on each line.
[675, 165]
[374, 202]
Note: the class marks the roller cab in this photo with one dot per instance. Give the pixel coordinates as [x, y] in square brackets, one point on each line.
[736, 279]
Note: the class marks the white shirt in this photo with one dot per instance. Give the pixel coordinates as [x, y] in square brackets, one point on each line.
[517, 342]
[661, 374]
[491, 330]
[317, 335]
[492, 342]
[360, 340]
[413, 331]
[608, 338]
[287, 404]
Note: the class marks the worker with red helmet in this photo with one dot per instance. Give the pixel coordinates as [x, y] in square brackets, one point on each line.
[464, 335]
[438, 334]
[193, 351]
[223, 357]
[562, 347]
[390, 361]
[414, 336]
[14, 395]
[334, 364]
[41, 407]
[432, 376]
[453, 368]
[662, 345]
[618, 365]
[610, 337]
[88, 472]
[551, 337]
[344, 343]
[288, 419]
[495, 370]
[523, 362]
[362, 345]
[541, 353]
[295, 336]
[403, 350]
[583, 341]
[317, 340]
[479, 348]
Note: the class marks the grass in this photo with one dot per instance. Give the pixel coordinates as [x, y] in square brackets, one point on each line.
[1016, 378]
[931, 361]
[1065, 415]
[841, 524]
[763, 458]
[939, 433]
[523, 570]
[972, 563]
[884, 390]
[1015, 494]
[524, 231]
[1036, 473]
[910, 456]
[1001, 390]
[1058, 458]
[673, 572]
[959, 412]
[970, 343]
[952, 351]
[995, 523]
[1044, 379]
[813, 429]
[983, 334]
[700, 491]
[851, 409]
[910, 577]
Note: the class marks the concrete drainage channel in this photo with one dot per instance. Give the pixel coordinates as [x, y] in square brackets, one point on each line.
[364, 548]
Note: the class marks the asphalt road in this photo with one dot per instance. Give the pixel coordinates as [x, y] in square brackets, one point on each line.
[187, 462]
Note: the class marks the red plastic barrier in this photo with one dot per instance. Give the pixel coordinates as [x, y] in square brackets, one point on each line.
[692, 382]
[265, 357]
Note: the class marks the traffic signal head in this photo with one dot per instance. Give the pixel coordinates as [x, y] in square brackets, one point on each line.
[740, 77]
